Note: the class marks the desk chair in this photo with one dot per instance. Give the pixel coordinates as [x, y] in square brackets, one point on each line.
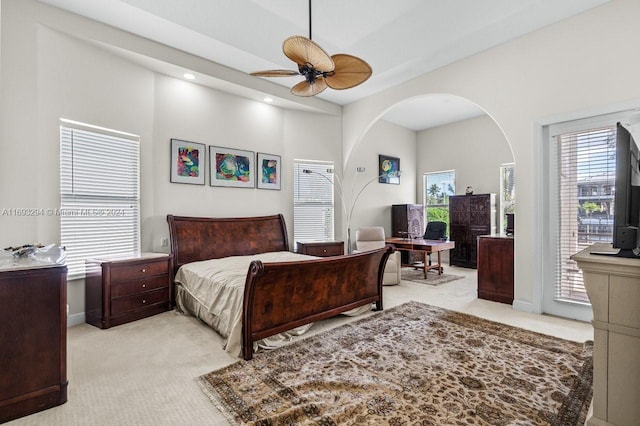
[435, 231]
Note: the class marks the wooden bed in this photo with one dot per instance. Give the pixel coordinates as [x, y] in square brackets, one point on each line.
[279, 296]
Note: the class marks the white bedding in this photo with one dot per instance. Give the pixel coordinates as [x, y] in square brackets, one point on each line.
[217, 285]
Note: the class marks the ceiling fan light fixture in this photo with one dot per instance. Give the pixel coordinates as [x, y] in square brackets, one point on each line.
[340, 71]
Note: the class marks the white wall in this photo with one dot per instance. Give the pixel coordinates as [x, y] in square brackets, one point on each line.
[540, 77]
[373, 208]
[188, 111]
[474, 148]
[48, 74]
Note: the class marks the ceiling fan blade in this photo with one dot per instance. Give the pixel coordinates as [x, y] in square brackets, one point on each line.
[304, 88]
[275, 73]
[349, 71]
[302, 51]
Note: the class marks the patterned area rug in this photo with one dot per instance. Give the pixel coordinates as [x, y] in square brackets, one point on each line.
[413, 364]
[417, 276]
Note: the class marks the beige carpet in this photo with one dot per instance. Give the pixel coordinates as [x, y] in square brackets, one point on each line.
[412, 364]
[417, 276]
[142, 373]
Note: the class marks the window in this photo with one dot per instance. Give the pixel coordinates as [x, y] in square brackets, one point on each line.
[99, 194]
[313, 202]
[507, 192]
[438, 187]
[586, 173]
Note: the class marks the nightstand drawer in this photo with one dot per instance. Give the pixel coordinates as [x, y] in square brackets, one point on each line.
[322, 248]
[142, 300]
[138, 270]
[138, 286]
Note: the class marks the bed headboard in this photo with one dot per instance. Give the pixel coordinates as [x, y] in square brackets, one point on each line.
[201, 238]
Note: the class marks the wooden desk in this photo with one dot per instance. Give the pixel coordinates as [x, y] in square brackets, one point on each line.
[425, 246]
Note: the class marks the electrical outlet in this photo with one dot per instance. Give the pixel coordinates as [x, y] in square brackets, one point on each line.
[164, 242]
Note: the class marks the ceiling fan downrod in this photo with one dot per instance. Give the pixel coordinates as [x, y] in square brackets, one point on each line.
[309, 19]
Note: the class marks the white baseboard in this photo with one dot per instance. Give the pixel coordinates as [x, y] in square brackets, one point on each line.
[75, 319]
[519, 305]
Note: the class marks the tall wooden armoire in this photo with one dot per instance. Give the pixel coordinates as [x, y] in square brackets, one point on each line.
[407, 220]
[469, 217]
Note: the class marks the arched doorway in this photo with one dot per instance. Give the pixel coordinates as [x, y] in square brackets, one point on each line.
[447, 132]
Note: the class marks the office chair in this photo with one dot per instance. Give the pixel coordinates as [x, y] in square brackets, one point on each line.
[435, 231]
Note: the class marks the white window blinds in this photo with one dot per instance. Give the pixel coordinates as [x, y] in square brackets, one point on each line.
[507, 192]
[99, 196]
[586, 166]
[313, 202]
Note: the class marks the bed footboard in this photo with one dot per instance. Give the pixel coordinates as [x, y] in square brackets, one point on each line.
[284, 295]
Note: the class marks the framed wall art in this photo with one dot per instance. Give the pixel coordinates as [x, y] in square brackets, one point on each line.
[187, 160]
[268, 171]
[231, 167]
[389, 169]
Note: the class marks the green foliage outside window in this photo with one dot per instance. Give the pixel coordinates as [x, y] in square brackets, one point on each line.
[438, 187]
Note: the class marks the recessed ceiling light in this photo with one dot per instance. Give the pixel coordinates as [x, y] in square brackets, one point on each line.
[189, 76]
[268, 100]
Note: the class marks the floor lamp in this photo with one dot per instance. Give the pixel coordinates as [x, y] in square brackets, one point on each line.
[353, 200]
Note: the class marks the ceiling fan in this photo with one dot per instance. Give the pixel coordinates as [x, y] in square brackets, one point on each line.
[340, 71]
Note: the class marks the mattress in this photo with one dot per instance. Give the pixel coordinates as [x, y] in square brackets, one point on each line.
[212, 290]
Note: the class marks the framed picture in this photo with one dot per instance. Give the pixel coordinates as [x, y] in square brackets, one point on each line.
[231, 167]
[268, 171]
[187, 160]
[389, 169]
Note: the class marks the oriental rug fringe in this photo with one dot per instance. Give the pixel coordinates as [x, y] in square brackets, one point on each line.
[413, 364]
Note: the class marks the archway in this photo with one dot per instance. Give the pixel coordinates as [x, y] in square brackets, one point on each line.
[474, 145]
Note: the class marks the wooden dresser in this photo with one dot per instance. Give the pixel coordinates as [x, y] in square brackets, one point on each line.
[321, 248]
[495, 268]
[124, 289]
[33, 339]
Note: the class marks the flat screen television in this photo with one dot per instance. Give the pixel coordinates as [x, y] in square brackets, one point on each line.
[626, 217]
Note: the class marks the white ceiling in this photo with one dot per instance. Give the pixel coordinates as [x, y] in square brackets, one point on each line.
[400, 39]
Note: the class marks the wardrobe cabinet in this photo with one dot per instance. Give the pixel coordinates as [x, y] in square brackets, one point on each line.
[469, 217]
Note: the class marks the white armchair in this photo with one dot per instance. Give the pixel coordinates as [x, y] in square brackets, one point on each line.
[371, 238]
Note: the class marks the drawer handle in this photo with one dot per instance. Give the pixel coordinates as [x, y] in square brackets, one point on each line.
[324, 250]
[144, 286]
[144, 301]
[144, 270]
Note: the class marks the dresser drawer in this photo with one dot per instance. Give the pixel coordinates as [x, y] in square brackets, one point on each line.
[142, 300]
[138, 286]
[138, 270]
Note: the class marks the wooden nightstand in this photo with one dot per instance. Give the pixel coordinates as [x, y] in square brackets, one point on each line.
[321, 248]
[124, 289]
